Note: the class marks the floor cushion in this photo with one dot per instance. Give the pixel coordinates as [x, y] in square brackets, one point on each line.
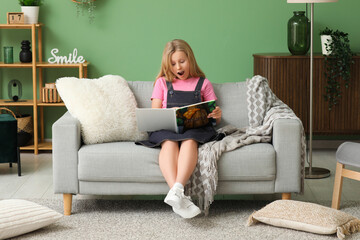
[304, 216]
[21, 216]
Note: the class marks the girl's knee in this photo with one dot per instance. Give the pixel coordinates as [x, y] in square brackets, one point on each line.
[191, 142]
[169, 143]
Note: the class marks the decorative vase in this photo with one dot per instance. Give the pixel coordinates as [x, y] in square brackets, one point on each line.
[31, 14]
[25, 54]
[8, 55]
[325, 40]
[299, 33]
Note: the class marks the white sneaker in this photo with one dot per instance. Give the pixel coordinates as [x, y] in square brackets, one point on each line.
[189, 211]
[174, 197]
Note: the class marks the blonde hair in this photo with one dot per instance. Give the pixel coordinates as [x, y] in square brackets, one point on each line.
[170, 48]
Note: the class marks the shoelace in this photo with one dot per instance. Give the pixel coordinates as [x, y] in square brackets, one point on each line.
[188, 198]
[180, 193]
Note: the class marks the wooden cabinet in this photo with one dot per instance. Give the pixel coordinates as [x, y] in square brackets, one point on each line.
[38, 82]
[289, 78]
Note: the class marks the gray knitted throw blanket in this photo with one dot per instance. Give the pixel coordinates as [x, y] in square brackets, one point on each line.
[263, 109]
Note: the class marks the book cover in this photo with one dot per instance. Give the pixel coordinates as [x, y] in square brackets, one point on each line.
[175, 119]
[194, 116]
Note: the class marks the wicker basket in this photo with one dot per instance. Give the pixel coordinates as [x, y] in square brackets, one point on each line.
[25, 129]
[50, 94]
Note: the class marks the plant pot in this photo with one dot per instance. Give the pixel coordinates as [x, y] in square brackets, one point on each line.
[31, 14]
[325, 41]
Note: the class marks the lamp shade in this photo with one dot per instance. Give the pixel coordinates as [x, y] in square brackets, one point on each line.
[310, 1]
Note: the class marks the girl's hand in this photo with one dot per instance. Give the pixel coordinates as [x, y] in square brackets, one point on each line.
[216, 114]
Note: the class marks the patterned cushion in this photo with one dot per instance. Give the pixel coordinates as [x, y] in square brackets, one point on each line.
[307, 217]
[20, 216]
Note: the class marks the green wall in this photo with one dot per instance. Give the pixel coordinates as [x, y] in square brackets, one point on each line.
[128, 36]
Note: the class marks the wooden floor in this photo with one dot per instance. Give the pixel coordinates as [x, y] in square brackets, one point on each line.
[36, 181]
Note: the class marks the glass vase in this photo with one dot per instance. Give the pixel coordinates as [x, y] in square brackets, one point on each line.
[8, 55]
[299, 33]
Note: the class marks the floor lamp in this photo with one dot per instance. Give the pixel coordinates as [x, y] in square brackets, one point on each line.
[312, 172]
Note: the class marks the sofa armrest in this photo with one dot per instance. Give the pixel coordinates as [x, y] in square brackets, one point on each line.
[66, 143]
[287, 145]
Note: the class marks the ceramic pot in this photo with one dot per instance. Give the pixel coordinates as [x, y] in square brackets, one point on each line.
[325, 40]
[25, 54]
[31, 14]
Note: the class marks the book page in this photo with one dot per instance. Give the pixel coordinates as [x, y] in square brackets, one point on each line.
[194, 116]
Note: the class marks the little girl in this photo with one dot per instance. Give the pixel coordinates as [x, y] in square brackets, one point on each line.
[181, 82]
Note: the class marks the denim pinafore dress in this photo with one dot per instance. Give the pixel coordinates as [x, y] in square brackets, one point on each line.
[180, 99]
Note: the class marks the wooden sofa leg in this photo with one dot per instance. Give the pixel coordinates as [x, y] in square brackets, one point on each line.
[67, 203]
[286, 196]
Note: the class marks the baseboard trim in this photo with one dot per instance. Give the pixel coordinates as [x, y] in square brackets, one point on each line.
[329, 144]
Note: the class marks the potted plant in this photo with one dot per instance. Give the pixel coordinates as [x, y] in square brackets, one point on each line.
[326, 39]
[337, 64]
[30, 8]
[89, 5]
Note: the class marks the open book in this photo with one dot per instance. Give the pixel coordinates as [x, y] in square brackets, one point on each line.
[175, 119]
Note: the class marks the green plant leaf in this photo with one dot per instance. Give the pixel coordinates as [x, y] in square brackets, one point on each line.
[337, 65]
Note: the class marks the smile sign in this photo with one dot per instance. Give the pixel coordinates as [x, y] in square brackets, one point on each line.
[72, 58]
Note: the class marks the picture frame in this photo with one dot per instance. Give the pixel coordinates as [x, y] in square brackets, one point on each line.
[15, 18]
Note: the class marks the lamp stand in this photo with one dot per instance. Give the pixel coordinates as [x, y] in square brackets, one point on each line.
[313, 172]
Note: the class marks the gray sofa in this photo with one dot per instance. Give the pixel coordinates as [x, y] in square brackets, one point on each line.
[123, 168]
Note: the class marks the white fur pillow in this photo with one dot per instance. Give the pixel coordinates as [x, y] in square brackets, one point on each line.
[105, 108]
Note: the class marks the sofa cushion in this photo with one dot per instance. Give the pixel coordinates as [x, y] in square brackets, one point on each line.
[127, 162]
[142, 91]
[254, 162]
[232, 100]
[119, 161]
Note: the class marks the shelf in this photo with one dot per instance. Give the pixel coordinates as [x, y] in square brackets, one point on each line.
[16, 65]
[42, 65]
[41, 146]
[60, 65]
[41, 104]
[37, 84]
[6, 102]
[18, 26]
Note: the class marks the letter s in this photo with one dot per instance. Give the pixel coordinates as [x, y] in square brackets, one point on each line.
[53, 52]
